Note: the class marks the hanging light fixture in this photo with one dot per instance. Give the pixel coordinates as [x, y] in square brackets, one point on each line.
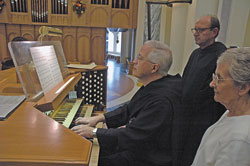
[168, 2]
[180, 1]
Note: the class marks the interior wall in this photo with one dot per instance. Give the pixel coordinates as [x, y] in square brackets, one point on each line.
[224, 14]
[247, 34]
[177, 40]
[140, 26]
[238, 22]
[197, 9]
[163, 22]
[168, 20]
[189, 39]
[182, 17]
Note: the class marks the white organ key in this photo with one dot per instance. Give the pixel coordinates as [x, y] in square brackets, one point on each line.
[72, 113]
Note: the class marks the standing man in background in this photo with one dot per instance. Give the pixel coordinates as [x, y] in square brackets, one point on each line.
[199, 108]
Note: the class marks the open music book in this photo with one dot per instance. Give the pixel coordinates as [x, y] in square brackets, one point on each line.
[81, 66]
[9, 104]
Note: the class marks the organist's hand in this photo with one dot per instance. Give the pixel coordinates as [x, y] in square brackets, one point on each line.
[84, 131]
[85, 121]
[90, 121]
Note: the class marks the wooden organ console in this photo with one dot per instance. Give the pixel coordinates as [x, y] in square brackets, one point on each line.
[29, 137]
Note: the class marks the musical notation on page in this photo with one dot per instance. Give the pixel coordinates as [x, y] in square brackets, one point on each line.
[47, 66]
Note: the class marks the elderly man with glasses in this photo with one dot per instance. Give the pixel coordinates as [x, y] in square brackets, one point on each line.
[199, 108]
[139, 133]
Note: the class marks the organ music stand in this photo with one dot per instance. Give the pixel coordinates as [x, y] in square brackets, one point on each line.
[26, 71]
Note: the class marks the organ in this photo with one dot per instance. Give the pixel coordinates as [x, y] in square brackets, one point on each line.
[84, 35]
[35, 133]
[38, 132]
[31, 138]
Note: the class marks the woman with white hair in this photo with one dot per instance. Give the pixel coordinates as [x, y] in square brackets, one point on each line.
[227, 142]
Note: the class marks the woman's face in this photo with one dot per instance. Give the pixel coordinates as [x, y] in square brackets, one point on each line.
[225, 92]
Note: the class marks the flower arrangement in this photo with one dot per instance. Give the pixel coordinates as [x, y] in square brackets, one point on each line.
[2, 4]
[79, 7]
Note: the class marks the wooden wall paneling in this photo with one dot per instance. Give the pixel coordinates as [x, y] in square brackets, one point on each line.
[83, 45]
[87, 13]
[36, 35]
[55, 38]
[59, 19]
[100, 16]
[98, 45]
[121, 18]
[53, 19]
[28, 32]
[66, 20]
[69, 10]
[69, 44]
[134, 12]
[96, 15]
[4, 13]
[50, 22]
[3, 43]
[21, 17]
[13, 31]
[80, 19]
[29, 10]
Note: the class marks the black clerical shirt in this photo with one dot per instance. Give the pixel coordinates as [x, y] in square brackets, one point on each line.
[199, 108]
[146, 139]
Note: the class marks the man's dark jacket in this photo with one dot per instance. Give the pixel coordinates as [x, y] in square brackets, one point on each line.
[146, 139]
[199, 110]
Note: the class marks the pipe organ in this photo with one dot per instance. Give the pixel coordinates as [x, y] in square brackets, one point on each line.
[84, 35]
[28, 136]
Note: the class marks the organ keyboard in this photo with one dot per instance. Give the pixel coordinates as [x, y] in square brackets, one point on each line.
[69, 110]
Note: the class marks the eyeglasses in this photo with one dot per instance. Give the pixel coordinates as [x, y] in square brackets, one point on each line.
[199, 30]
[217, 79]
[140, 58]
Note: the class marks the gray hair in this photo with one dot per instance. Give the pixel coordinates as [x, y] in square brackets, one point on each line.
[239, 60]
[161, 55]
[214, 23]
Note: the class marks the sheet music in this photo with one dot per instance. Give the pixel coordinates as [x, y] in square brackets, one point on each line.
[81, 66]
[47, 66]
[8, 104]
